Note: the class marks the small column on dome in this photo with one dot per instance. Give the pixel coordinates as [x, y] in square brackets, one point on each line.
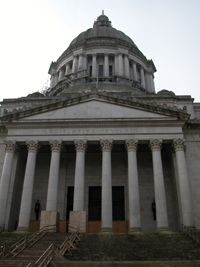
[94, 65]
[61, 74]
[142, 77]
[120, 64]
[135, 77]
[126, 65]
[106, 65]
[67, 70]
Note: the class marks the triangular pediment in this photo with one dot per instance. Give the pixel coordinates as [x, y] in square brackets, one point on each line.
[95, 110]
[95, 107]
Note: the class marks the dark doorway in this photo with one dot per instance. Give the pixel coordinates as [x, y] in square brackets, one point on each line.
[118, 203]
[70, 199]
[94, 203]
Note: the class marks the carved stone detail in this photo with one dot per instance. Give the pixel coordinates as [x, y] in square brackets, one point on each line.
[178, 144]
[33, 146]
[131, 144]
[56, 145]
[155, 144]
[106, 145]
[80, 145]
[10, 146]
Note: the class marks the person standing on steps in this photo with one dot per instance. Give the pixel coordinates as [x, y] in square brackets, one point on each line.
[37, 209]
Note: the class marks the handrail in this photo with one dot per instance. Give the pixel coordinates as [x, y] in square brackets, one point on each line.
[191, 232]
[20, 245]
[57, 252]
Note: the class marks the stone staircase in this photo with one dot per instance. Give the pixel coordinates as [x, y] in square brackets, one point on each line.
[176, 249]
[33, 253]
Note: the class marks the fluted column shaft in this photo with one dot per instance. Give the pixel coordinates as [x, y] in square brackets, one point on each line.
[185, 196]
[10, 147]
[120, 64]
[126, 65]
[106, 66]
[25, 209]
[79, 183]
[52, 192]
[159, 187]
[133, 186]
[106, 208]
[94, 65]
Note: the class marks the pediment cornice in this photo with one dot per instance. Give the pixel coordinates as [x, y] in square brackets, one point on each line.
[180, 114]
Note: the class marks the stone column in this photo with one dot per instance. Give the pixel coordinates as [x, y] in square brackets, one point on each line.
[184, 187]
[10, 147]
[52, 83]
[133, 187]
[61, 74]
[94, 65]
[152, 83]
[79, 183]
[142, 76]
[135, 71]
[106, 65]
[116, 64]
[80, 62]
[106, 208]
[56, 79]
[25, 209]
[120, 64]
[126, 65]
[159, 187]
[52, 193]
[67, 69]
[75, 63]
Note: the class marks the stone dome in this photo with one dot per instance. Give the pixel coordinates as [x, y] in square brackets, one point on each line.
[102, 28]
[105, 56]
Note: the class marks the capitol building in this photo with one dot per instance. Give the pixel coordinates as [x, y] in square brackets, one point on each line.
[101, 142]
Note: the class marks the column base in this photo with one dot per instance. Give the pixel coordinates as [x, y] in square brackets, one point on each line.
[106, 230]
[135, 230]
[22, 229]
[164, 230]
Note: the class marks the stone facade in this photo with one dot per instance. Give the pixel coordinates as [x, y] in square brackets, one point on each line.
[107, 145]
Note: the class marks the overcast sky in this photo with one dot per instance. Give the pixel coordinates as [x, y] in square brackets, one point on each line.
[36, 32]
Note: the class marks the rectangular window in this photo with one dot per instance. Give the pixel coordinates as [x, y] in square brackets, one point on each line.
[100, 71]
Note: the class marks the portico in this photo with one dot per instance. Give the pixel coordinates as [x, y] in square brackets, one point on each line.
[83, 151]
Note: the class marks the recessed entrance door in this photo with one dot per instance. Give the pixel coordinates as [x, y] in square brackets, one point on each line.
[118, 203]
[94, 203]
[70, 199]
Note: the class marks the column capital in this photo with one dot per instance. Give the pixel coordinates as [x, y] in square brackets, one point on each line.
[178, 144]
[33, 146]
[106, 54]
[106, 145]
[80, 145]
[131, 144]
[55, 145]
[155, 144]
[94, 54]
[10, 146]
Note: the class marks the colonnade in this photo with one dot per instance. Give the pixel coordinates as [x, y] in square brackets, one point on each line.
[123, 66]
[79, 182]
